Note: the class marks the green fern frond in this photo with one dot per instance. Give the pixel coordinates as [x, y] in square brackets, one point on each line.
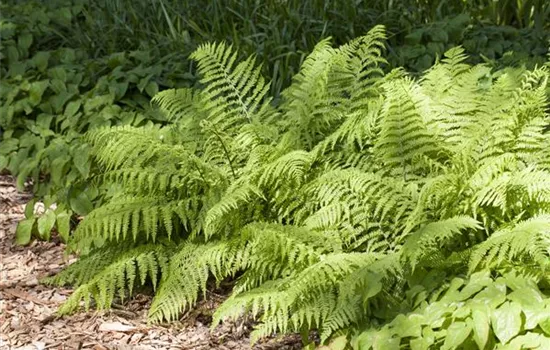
[357, 70]
[435, 235]
[528, 239]
[403, 135]
[355, 135]
[232, 93]
[119, 218]
[355, 197]
[112, 272]
[306, 103]
[179, 105]
[225, 210]
[188, 273]
[286, 304]
[290, 169]
[278, 250]
[134, 147]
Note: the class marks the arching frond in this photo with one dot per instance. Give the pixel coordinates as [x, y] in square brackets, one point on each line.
[112, 272]
[435, 235]
[233, 93]
[529, 239]
[403, 135]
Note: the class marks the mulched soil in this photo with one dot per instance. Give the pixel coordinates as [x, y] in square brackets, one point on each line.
[27, 308]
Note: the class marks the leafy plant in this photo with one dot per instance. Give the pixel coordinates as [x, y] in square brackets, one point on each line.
[50, 97]
[334, 207]
[478, 313]
[501, 45]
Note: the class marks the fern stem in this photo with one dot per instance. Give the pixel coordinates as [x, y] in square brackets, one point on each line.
[225, 150]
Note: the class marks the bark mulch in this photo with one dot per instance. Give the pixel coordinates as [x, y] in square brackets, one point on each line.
[27, 308]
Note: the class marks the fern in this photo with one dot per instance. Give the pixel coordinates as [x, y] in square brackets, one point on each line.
[430, 238]
[112, 272]
[529, 239]
[355, 200]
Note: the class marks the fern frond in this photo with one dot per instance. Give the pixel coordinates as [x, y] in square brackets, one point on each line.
[134, 147]
[287, 304]
[403, 135]
[290, 169]
[528, 239]
[188, 273]
[279, 250]
[306, 103]
[357, 71]
[179, 105]
[233, 94]
[357, 198]
[435, 235]
[225, 210]
[119, 218]
[110, 272]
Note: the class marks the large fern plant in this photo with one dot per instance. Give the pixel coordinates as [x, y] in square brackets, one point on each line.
[331, 207]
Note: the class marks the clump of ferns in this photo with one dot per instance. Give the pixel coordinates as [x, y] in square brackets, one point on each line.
[326, 204]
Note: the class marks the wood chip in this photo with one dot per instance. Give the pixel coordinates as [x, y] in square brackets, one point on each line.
[115, 327]
[18, 293]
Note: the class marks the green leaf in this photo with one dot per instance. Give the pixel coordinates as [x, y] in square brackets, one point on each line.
[63, 224]
[37, 90]
[40, 60]
[435, 314]
[419, 344]
[13, 57]
[526, 297]
[23, 231]
[152, 89]
[119, 89]
[143, 83]
[534, 315]
[24, 41]
[439, 35]
[81, 204]
[72, 107]
[338, 343]
[407, 326]
[506, 321]
[3, 162]
[44, 120]
[545, 325]
[58, 101]
[456, 335]
[58, 170]
[414, 37]
[364, 340]
[49, 200]
[481, 325]
[45, 224]
[81, 160]
[29, 209]
[527, 341]
[385, 341]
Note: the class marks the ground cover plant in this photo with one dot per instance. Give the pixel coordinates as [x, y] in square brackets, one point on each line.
[379, 209]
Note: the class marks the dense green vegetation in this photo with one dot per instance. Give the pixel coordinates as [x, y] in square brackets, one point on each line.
[357, 185]
[388, 189]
